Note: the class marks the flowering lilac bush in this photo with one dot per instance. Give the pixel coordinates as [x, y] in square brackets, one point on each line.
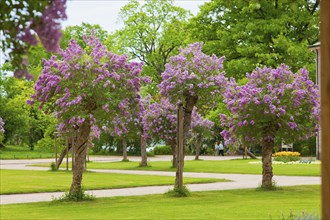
[161, 124]
[88, 86]
[193, 74]
[274, 103]
[87, 89]
[160, 120]
[200, 125]
[201, 128]
[191, 79]
[47, 26]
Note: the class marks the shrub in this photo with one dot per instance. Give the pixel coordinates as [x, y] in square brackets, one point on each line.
[209, 151]
[305, 151]
[286, 156]
[150, 154]
[163, 150]
[79, 196]
[45, 145]
[176, 192]
[53, 166]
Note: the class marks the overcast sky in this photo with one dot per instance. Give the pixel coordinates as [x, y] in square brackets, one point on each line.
[105, 12]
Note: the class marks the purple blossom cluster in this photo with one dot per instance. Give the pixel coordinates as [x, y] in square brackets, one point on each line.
[274, 103]
[193, 73]
[160, 121]
[47, 26]
[91, 86]
[200, 124]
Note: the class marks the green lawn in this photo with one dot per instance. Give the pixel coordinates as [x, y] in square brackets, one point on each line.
[26, 181]
[230, 204]
[208, 166]
[19, 152]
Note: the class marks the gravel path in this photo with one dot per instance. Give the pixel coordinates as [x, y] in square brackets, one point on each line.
[238, 181]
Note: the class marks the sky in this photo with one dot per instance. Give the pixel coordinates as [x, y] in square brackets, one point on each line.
[105, 12]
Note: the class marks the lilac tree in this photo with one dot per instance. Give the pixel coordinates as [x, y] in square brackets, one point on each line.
[24, 22]
[160, 122]
[191, 79]
[86, 89]
[273, 104]
[200, 128]
[130, 122]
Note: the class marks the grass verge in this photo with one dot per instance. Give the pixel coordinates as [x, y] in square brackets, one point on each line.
[239, 166]
[229, 204]
[12, 152]
[28, 181]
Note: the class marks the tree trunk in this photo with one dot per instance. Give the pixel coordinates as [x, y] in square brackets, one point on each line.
[249, 153]
[60, 159]
[267, 169]
[144, 161]
[124, 149]
[79, 149]
[183, 127]
[180, 149]
[190, 103]
[174, 153]
[198, 145]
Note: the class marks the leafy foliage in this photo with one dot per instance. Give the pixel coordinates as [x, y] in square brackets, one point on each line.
[23, 124]
[152, 33]
[258, 33]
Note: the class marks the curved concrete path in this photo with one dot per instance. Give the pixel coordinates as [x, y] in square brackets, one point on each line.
[239, 181]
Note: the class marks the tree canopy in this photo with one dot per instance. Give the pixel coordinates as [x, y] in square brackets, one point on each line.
[152, 33]
[258, 33]
[273, 104]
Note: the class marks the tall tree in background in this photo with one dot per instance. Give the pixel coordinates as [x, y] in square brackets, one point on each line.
[23, 23]
[152, 33]
[24, 124]
[259, 32]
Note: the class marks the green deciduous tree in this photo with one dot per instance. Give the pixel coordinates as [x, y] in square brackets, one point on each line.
[152, 33]
[24, 124]
[259, 32]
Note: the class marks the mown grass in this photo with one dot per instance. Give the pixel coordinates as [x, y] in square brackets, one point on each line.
[240, 166]
[27, 181]
[230, 204]
[11, 152]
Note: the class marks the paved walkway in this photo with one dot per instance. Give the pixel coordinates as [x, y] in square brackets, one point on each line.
[239, 181]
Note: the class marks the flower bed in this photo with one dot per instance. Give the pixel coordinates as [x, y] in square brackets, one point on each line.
[286, 156]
